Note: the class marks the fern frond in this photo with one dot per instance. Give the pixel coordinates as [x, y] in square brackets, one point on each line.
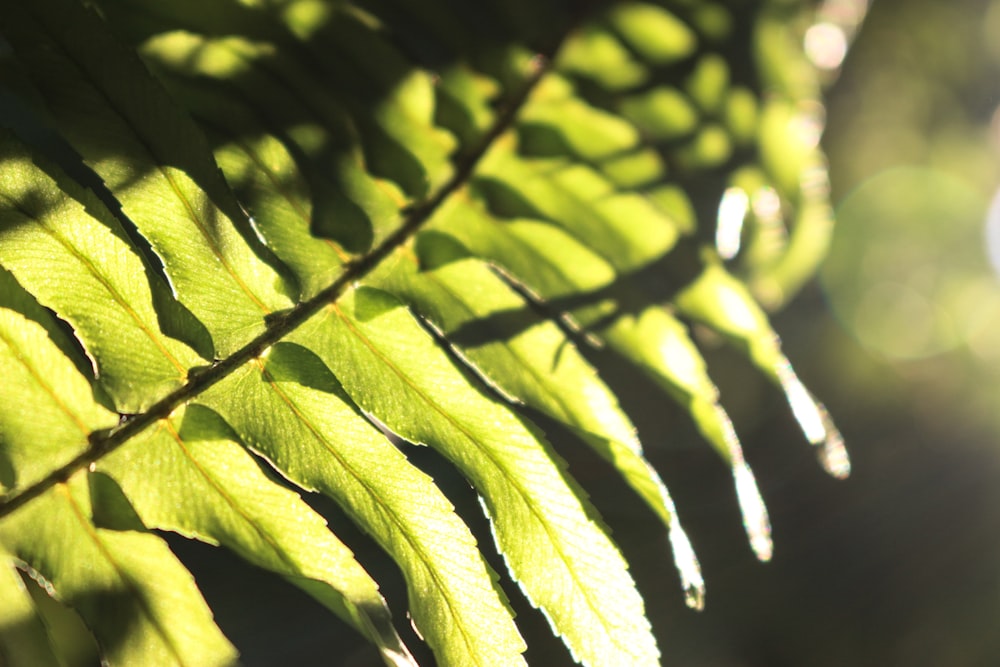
[246, 249]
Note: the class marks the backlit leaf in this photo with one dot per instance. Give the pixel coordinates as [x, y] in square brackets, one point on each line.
[290, 409]
[252, 251]
[102, 573]
[567, 567]
[188, 475]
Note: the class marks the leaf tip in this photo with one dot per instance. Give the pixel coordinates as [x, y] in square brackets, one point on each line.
[688, 567]
[833, 454]
[755, 518]
[807, 410]
[816, 424]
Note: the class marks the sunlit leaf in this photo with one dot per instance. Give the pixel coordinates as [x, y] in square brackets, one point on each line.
[83, 268]
[23, 636]
[48, 408]
[252, 251]
[290, 409]
[137, 618]
[154, 160]
[531, 360]
[567, 567]
[188, 475]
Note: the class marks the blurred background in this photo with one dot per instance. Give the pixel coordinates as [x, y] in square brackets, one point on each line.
[899, 336]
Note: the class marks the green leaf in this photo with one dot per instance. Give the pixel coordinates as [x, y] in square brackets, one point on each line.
[661, 114]
[708, 84]
[496, 330]
[195, 236]
[582, 201]
[290, 409]
[23, 638]
[464, 105]
[351, 40]
[651, 338]
[531, 360]
[188, 475]
[585, 131]
[266, 178]
[154, 160]
[660, 345]
[104, 574]
[352, 206]
[74, 256]
[596, 54]
[724, 303]
[47, 407]
[567, 567]
[659, 36]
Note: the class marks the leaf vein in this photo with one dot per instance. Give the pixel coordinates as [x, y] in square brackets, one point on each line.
[375, 497]
[487, 451]
[91, 532]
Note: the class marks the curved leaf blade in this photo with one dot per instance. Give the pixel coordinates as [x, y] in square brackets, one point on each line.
[554, 547]
[531, 360]
[571, 195]
[268, 182]
[289, 408]
[153, 159]
[651, 338]
[104, 574]
[47, 407]
[725, 304]
[83, 268]
[352, 205]
[187, 475]
[24, 640]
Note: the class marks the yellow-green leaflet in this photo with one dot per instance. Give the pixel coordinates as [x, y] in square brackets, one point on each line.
[254, 252]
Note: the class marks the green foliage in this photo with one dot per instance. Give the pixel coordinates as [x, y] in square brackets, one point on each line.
[244, 244]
